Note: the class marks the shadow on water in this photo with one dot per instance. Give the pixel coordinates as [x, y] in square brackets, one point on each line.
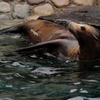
[42, 77]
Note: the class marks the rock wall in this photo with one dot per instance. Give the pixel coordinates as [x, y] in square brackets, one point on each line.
[32, 9]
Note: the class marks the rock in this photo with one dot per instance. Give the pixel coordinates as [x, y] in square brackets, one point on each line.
[31, 2]
[5, 7]
[43, 10]
[8, 23]
[34, 17]
[98, 2]
[21, 11]
[4, 16]
[8, 0]
[80, 14]
[61, 3]
[20, 0]
[84, 2]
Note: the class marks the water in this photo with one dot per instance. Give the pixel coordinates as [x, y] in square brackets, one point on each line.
[32, 77]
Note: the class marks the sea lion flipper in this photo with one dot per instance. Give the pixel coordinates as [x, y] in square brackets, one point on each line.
[48, 44]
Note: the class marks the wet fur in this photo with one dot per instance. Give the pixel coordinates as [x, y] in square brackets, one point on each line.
[44, 34]
[89, 40]
[77, 42]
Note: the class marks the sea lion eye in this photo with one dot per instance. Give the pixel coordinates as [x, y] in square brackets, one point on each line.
[83, 28]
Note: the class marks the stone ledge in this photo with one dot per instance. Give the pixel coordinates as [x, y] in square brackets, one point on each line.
[22, 9]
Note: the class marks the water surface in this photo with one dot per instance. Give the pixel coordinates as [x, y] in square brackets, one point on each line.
[32, 77]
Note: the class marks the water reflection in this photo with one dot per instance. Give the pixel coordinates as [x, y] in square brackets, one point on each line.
[32, 77]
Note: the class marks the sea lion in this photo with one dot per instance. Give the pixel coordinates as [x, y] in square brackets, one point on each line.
[45, 34]
[85, 48]
[89, 40]
[40, 30]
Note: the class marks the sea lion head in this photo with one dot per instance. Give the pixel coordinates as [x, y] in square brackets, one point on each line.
[88, 38]
[82, 32]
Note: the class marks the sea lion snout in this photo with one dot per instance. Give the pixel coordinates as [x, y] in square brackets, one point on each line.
[75, 27]
[82, 31]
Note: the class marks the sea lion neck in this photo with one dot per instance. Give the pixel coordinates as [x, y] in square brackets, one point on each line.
[88, 38]
[89, 48]
[89, 52]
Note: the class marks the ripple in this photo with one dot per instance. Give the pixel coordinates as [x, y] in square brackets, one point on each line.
[73, 90]
[5, 99]
[47, 70]
[42, 77]
[17, 64]
[83, 98]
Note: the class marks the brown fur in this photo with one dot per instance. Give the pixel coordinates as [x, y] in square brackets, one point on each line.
[60, 40]
[44, 34]
[89, 40]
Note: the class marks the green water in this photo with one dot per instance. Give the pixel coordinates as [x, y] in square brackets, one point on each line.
[32, 77]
